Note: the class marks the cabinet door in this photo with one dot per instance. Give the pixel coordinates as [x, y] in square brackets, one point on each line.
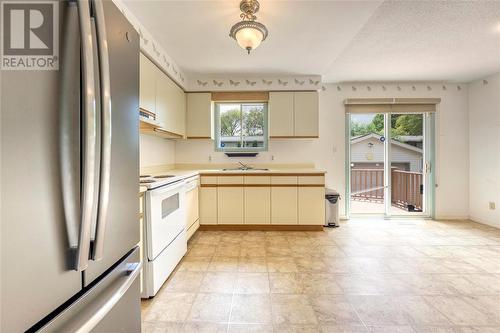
[199, 120]
[311, 205]
[192, 206]
[162, 100]
[147, 86]
[230, 205]
[284, 205]
[306, 106]
[281, 115]
[179, 109]
[257, 205]
[208, 205]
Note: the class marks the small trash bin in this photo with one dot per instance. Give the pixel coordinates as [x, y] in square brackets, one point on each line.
[332, 198]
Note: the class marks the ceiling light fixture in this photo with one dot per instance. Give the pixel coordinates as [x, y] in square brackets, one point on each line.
[249, 33]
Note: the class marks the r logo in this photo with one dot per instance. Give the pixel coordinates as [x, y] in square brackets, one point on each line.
[29, 34]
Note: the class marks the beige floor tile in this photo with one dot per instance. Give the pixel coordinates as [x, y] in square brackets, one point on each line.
[286, 283]
[228, 250]
[211, 307]
[487, 304]
[281, 265]
[204, 327]
[252, 264]
[185, 282]
[201, 250]
[484, 329]
[311, 264]
[160, 327]
[391, 329]
[490, 282]
[253, 251]
[379, 310]
[223, 264]
[292, 309]
[278, 250]
[250, 328]
[251, 308]
[252, 283]
[459, 311]
[332, 309]
[287, 328]
[343, 329]
[320, 283]
[171, 307]
[218, 282]
[194, 264]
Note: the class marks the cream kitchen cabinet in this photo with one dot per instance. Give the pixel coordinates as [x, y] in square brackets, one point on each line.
[284, 200]
[208, 205]
[192, 206]
[230, 201]
[311, 205]
[170, 105]
[281, 123]
[147, 86]
[306, 114]
[294, 114]
[199, 116]
[257, 199]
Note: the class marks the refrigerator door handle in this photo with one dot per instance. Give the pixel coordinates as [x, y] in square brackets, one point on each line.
[89, 136]
[106, 130]
[130, 273]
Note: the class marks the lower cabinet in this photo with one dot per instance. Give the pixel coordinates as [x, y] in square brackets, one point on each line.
[284, 205]
[257, 205]
[208, 205]
[230, 201]
[280, 200]
[311, 205]
[192, 212]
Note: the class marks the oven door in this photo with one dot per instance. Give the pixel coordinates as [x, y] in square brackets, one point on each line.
[165, 216]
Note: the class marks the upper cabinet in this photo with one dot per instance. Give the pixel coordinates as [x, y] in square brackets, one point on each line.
[294, 114]
[147, 90]
[199, 117]
[161, 96]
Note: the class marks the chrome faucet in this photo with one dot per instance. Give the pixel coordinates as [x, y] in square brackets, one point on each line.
[244, 166]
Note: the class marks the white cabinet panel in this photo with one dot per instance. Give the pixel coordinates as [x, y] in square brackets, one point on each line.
[147, 85]
[208, 205]
[257, 205]
[284, 205]
[170, 104]
[199, 117]
[311, 205]
[192, 207]
[281, 119]
[230, 205]
[306, 106]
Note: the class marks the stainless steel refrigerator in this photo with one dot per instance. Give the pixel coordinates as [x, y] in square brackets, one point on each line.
[69, 180]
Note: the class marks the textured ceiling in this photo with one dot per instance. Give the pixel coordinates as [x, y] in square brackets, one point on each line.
[304, 36]
[423, 40]
[341, 40]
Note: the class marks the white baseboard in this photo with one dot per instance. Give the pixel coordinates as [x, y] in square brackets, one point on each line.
[483, 221]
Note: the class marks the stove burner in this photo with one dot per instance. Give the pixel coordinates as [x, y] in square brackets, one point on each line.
[164, 176]
[145, 176]
[144, 181]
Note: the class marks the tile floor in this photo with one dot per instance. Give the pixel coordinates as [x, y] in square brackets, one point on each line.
[366, 276]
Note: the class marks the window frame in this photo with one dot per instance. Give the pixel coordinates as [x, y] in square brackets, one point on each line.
[217, 137]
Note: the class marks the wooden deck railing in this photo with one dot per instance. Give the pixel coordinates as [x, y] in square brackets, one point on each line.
[368, 185]
[406, 189]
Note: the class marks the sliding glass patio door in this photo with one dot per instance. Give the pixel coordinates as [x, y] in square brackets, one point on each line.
[389, 164]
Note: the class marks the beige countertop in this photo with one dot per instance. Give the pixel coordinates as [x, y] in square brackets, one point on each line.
[187, 173]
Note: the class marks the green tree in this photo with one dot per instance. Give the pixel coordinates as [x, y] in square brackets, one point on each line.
[253, 122]
[230, 123]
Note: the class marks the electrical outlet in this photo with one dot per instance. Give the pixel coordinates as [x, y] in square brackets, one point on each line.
[492, 205]
[272, 157]
[210, 158]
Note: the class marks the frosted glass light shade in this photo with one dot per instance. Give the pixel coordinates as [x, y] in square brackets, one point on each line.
[249, 38]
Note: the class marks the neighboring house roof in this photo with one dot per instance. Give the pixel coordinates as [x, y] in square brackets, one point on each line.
[361, 138]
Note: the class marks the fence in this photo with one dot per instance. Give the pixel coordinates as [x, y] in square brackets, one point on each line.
[368, 185]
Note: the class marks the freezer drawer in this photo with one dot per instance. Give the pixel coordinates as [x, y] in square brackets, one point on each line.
[112, 304]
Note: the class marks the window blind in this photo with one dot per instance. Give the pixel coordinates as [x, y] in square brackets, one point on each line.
[388, 105]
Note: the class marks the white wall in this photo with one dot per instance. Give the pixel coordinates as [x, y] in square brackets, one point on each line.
[328, 152]
[484, 122]
[155, 151]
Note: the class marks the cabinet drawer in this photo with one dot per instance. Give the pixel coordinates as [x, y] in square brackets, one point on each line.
[284, 180]
[221, 180]
[210, 180]
[312, 180]
[264, 180]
